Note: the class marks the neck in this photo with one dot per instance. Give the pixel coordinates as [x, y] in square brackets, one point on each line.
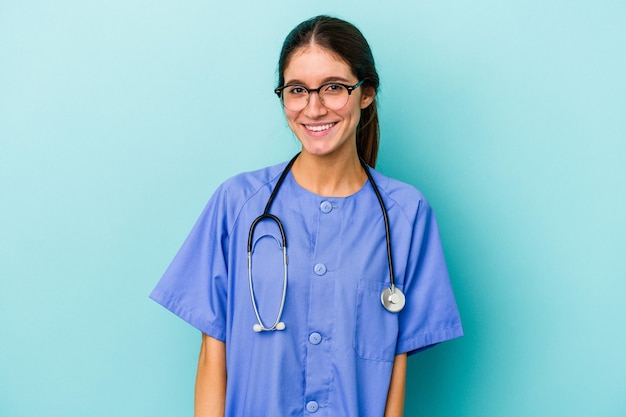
[329, 176]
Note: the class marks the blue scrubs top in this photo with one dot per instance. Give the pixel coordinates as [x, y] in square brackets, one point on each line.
[335, 356]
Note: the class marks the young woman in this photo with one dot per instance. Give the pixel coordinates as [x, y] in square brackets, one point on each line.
[312, 280]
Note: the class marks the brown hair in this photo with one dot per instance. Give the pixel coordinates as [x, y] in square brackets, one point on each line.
[345, 40]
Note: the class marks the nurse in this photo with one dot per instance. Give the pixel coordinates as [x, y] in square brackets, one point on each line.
[323, 344]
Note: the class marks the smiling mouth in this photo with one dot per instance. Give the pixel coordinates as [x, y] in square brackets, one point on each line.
[320, 128]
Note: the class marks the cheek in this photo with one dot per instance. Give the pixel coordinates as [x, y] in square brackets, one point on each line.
[290, 116]
[355, 114]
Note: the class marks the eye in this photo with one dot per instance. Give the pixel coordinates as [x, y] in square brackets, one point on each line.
[296, 90]
[334, 88]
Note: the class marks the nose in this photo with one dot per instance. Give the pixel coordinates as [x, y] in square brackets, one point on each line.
[314, 107]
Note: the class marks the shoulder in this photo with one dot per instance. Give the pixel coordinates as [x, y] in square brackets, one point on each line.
[397, 193]
[252, 187]
[247, 184]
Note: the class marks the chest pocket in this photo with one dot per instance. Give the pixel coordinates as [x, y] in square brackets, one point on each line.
[376, 329]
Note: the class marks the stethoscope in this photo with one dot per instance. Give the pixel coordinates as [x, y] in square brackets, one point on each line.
[392, 297]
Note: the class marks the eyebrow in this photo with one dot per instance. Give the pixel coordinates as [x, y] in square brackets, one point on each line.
[324, 81]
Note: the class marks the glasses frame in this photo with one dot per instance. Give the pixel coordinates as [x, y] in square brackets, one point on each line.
[349, 88]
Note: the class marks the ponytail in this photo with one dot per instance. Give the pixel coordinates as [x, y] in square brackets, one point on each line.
[368, 135]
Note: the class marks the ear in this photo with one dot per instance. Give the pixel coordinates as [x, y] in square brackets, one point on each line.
[368, 97]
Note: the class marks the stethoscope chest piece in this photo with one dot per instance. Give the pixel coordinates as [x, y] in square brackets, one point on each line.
[393, 299]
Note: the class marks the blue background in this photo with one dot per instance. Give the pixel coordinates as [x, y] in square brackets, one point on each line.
[119, 118]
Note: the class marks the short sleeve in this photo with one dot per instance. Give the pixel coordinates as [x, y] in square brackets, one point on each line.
[431, 315]
[194, 285]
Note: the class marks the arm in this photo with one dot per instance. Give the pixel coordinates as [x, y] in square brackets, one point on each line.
[397, 387]
[210, 394]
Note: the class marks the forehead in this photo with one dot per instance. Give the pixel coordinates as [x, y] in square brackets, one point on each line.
[314, 64]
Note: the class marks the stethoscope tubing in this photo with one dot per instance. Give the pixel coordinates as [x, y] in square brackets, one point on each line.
[392, 280]
[387, 295]
[278, 325]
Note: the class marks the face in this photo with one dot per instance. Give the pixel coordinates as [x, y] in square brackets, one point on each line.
[323, 131]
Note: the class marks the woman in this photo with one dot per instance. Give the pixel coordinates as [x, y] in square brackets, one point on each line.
[326, 332]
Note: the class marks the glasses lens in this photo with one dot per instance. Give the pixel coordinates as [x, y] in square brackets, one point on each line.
[334, 96]
[295, 97]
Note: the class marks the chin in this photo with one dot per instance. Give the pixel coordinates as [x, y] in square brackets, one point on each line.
[316, 152]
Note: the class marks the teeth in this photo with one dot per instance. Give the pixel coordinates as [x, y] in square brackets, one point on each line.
[320, 128]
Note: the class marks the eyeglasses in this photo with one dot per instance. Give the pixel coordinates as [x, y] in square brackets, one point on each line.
[333, 95]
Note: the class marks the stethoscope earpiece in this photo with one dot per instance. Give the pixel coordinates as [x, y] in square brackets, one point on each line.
[258, 328]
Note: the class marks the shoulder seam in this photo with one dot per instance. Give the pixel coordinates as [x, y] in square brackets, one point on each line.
[400, 206]
[252, 194]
